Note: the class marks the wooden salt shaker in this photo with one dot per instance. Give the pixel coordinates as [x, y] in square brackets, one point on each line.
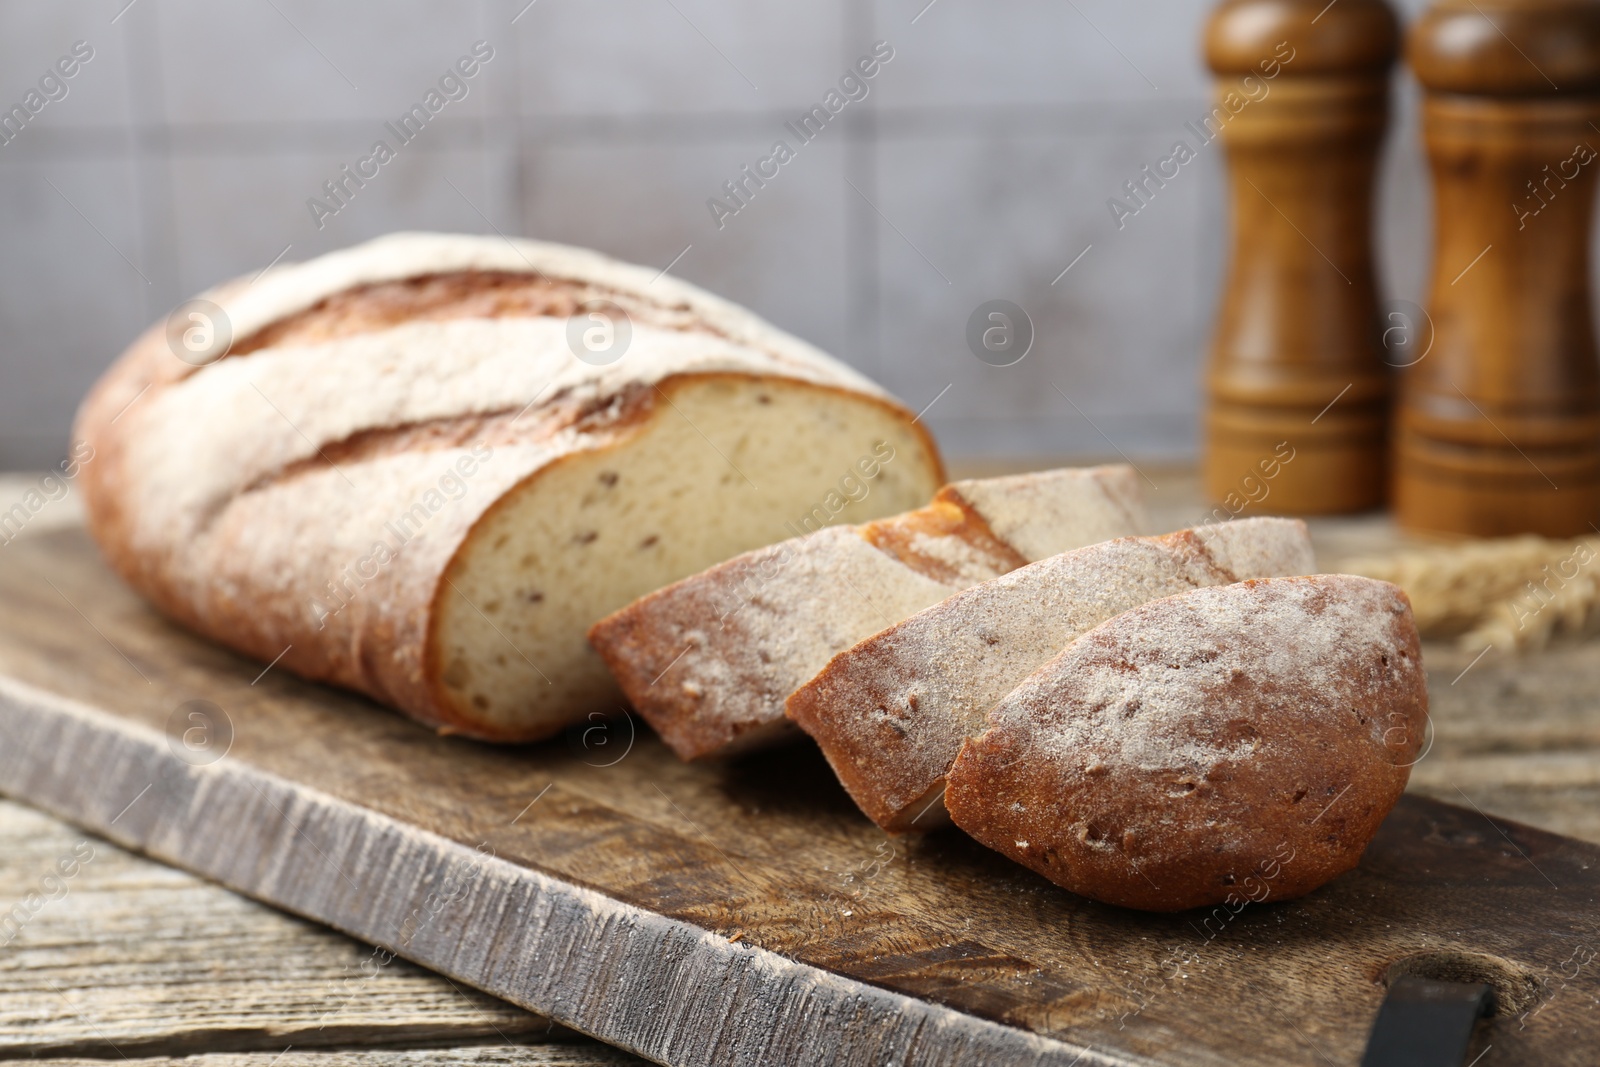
[1296, 369]
[1498, 428]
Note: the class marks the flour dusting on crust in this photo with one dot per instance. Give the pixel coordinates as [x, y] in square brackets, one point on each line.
[1175, 752]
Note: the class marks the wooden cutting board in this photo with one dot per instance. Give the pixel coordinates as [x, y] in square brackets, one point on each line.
[743, 914]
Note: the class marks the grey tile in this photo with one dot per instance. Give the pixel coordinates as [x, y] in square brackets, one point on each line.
[1404, 225]
[677, 56]
[288, 61]
[783, 254]
[1409, 10]
[1120, 335]
[35, 38]
[235, 213]
[69, 301]
[958, 53]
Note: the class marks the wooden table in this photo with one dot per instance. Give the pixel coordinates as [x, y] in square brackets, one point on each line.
[142, 962]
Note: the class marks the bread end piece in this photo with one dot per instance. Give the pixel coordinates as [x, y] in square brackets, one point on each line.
[1230, 744]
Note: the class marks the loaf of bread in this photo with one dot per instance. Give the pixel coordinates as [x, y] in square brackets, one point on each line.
[892, 712]
[402, 478]
[709, 661]
[1226, 745]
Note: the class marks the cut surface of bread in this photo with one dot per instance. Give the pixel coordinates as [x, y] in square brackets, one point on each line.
[593, 532]
[710, 660]
[402, 478]
[892, 712]
[1226, 745]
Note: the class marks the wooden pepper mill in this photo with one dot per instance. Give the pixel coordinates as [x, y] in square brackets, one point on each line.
[1498, 428]
[1296, 370]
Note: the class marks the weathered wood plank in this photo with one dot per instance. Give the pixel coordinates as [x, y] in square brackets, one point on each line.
[536, 1056]
[608, 891]
[106, 951]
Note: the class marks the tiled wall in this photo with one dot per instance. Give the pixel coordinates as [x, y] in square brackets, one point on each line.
[977, 167]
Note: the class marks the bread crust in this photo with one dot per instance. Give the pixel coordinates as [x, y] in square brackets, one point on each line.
[1231, 744]
[230, 494]
[891, 713]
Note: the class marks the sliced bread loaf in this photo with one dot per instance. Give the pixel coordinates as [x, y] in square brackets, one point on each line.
[891, 712]
[1225, 745]
[425, 465]
[710, 660]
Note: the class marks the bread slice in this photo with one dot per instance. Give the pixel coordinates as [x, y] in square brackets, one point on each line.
[709, 661]
[891, 713]
[402, 478]
[1225, 745]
